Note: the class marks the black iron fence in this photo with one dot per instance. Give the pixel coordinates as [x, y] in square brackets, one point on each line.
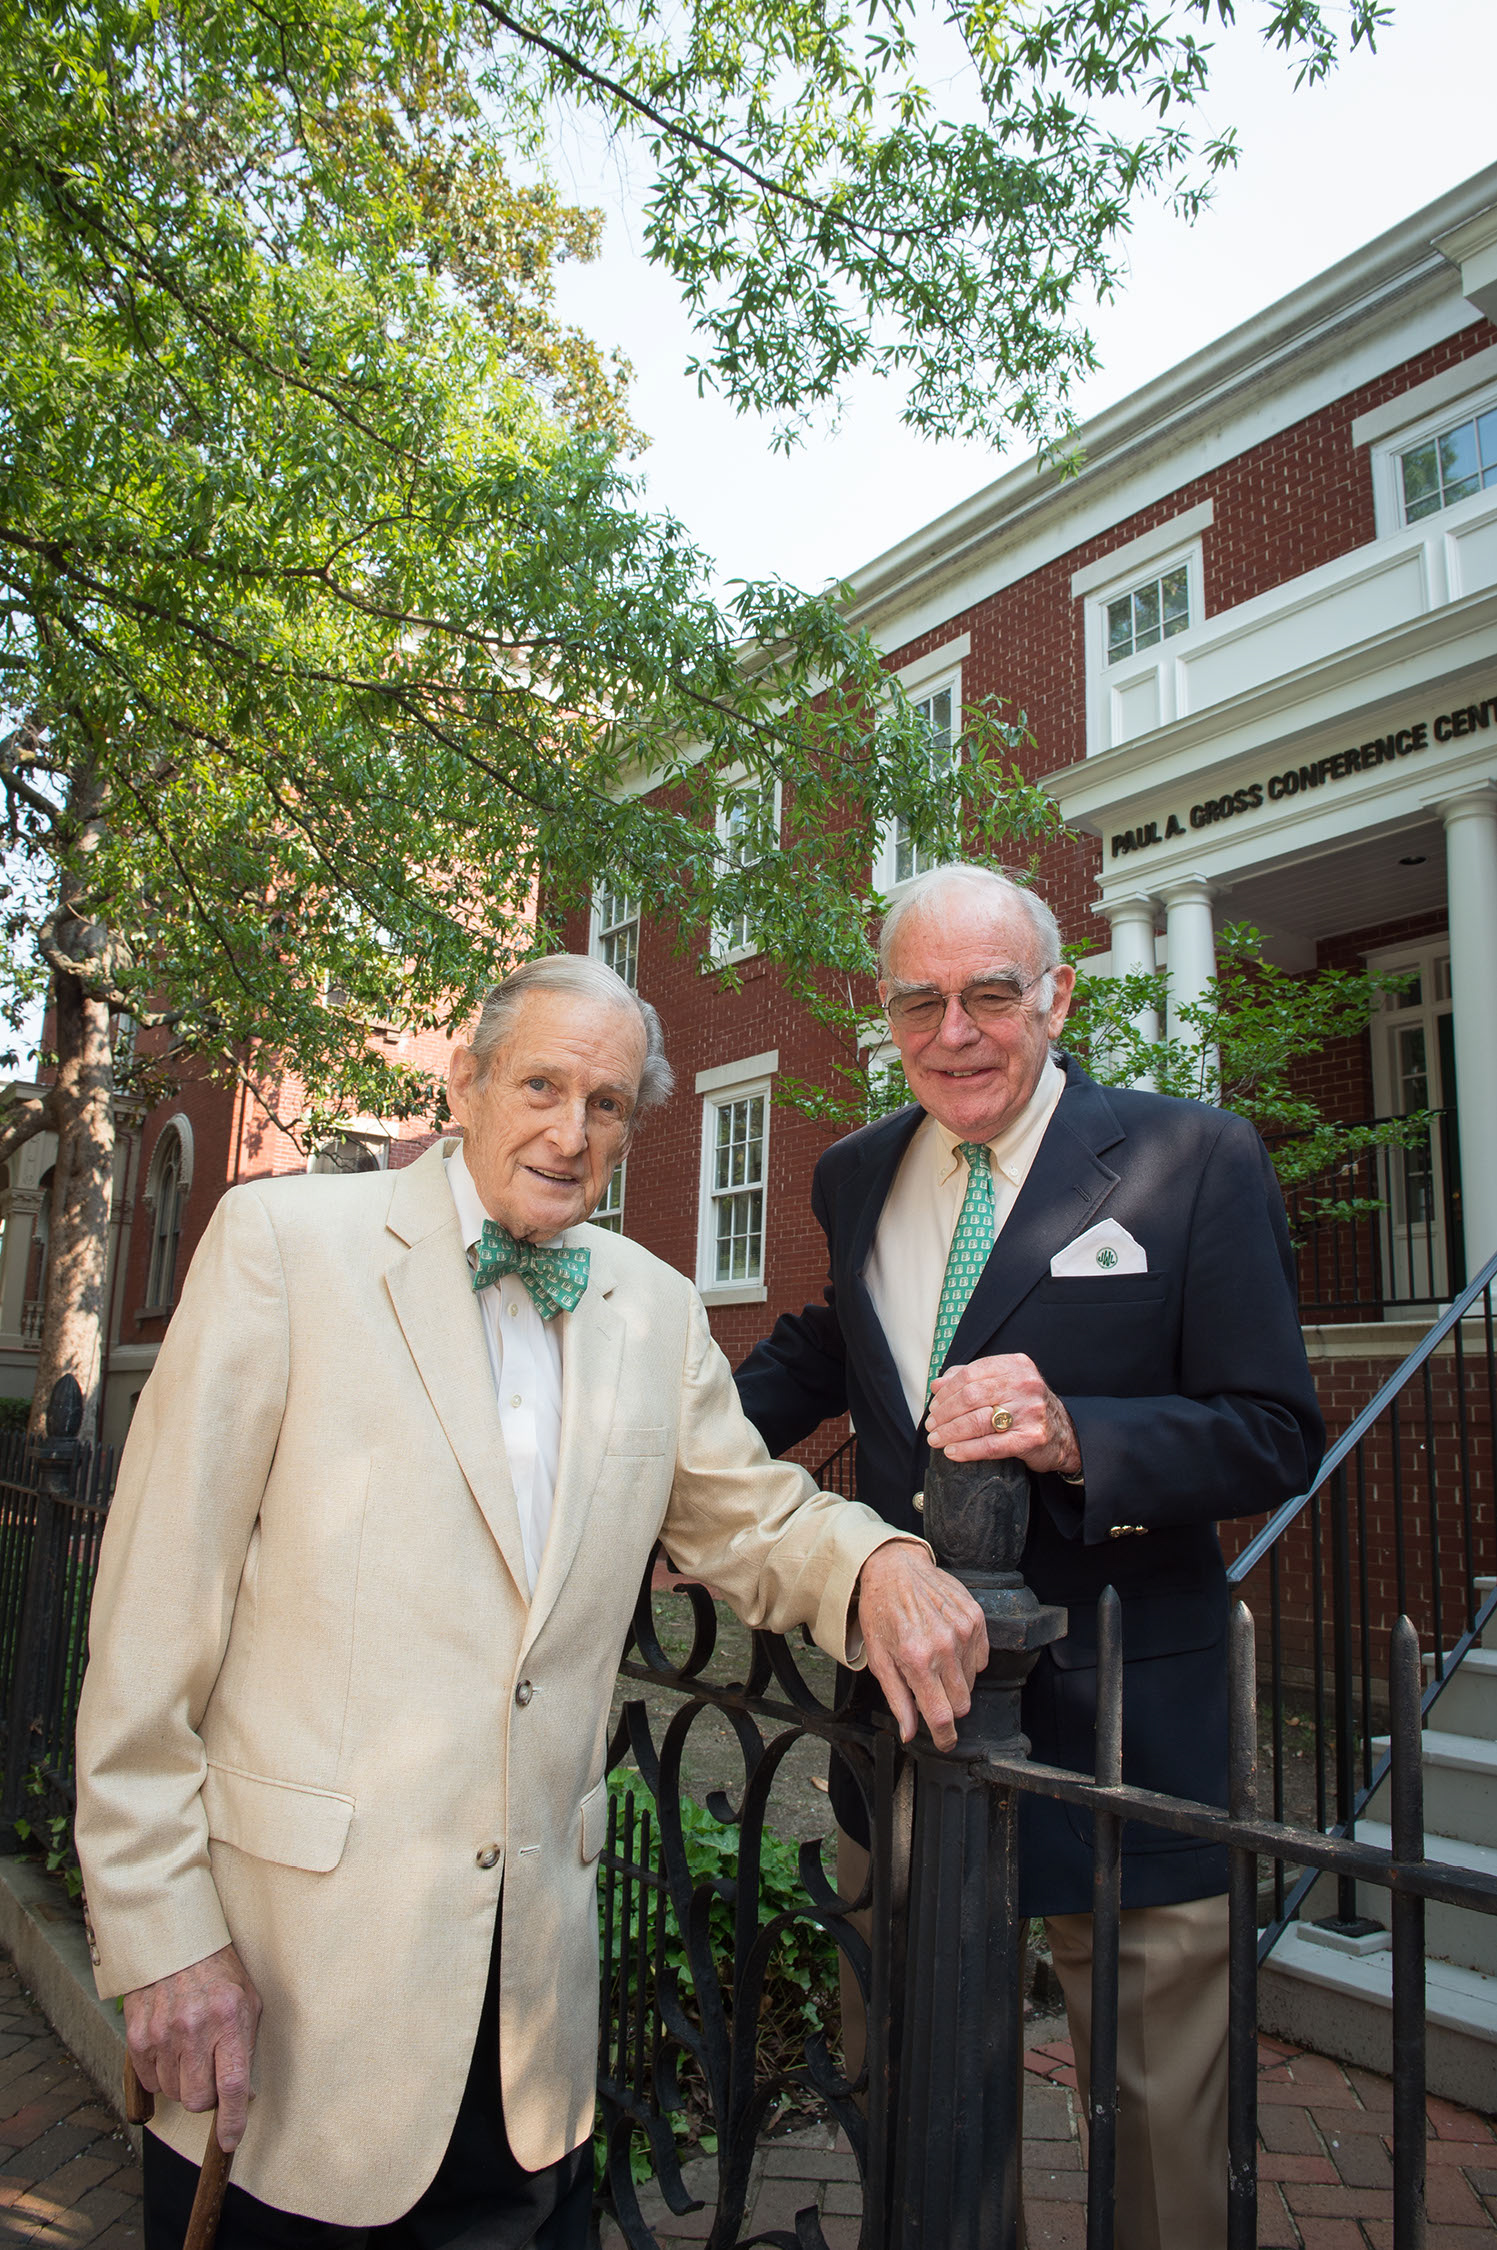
[54, 1496]
[933, 2115]
[1380, 1228]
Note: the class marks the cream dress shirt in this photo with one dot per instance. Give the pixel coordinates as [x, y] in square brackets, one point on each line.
[525, 1357]
[907, 1264]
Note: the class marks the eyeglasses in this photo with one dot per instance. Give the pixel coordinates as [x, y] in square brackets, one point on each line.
[987, 1001]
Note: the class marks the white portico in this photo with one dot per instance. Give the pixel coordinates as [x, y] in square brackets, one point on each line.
[1320, 759]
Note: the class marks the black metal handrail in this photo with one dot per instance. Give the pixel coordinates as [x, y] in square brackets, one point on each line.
[1408, 1455]
[1352, 1437]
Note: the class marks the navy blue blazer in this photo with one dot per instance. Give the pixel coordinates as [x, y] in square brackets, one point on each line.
[1191, 1397]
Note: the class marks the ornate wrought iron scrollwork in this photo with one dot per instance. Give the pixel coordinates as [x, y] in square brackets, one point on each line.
[659, 2018]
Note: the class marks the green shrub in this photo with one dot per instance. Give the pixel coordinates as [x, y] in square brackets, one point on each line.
[799, 1994]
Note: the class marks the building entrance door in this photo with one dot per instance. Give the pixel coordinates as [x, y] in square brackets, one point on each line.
[1413, 1063]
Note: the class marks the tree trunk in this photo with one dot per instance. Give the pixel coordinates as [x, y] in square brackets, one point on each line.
[82, 1191]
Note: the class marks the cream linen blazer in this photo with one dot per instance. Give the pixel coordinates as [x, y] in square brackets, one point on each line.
[303, 1725]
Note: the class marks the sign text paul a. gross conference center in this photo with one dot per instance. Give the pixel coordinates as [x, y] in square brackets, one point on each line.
[1337, 765]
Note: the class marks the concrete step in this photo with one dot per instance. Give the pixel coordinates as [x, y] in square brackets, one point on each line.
[1457, 1934]
[1460, 1786]
[1484, 1586]
[1342, 2004]
[1468, 1701]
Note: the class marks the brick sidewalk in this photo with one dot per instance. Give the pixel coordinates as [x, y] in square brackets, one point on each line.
[68, 2177]
[1324, 2174]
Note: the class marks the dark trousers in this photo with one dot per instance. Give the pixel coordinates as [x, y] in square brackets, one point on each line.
[480, 2199]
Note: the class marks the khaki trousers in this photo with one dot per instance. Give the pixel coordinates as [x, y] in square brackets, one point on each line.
[1172, 2056]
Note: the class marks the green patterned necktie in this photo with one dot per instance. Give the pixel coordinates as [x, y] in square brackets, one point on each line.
[971, 1246]
[555, 1278]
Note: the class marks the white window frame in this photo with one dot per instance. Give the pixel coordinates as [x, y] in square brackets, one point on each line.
[724, 951]
[175, 1135]
[610, 1212]
[1103, 680]
[728, 1083]
[1387, 455]
[1131, 565]
[931, 678]
[598, 932]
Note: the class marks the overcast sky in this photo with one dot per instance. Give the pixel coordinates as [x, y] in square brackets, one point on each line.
[1323, 171]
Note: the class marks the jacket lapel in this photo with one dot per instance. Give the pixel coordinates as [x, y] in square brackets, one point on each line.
[860, 1202]
[592, 1354]
[1067, 1185]
[432, 1292]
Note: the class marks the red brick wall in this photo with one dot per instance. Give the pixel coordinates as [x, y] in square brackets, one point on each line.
[1298, 500]
[1398, 1495]
[235, 1137]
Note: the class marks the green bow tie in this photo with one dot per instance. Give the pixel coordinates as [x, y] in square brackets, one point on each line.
[555, 1278]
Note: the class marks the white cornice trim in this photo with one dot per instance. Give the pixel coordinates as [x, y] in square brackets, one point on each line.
[939, 660]
[1425, 398]
[1154, 420]
[1134, 553]
[738, 1073]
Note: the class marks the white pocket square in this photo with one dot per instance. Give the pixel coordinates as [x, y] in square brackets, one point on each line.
[1103, 1250]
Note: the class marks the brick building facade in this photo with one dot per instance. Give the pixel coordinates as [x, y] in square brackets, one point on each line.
[1255, 644]
[171, 1167]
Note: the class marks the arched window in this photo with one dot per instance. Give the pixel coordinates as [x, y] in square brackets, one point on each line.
[167, 1194]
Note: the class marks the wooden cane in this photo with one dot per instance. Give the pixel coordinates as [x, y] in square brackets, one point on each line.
[213, 2178]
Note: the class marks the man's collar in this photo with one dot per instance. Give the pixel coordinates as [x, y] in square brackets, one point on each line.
[1014, 1142]
[470, 1211]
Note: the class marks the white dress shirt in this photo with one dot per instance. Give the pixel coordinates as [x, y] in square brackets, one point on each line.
[525, 1356]
[907, 1264]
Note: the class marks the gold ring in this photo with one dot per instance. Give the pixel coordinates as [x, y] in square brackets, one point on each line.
[1002, 1420]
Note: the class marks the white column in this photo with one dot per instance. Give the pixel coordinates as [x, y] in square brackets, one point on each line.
[1190, 936]
[21, 1208]
[1132, 923]
[1471, 880]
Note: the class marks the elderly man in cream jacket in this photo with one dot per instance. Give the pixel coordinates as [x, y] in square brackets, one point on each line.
[385, 1506]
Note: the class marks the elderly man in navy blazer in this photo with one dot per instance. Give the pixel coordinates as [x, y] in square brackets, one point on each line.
[1098, 1283]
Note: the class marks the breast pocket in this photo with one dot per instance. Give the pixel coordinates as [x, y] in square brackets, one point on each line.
[642, 1444]
[1079, 1291]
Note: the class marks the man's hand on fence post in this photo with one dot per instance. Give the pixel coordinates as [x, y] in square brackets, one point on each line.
[925, 1637]
[192, 2036]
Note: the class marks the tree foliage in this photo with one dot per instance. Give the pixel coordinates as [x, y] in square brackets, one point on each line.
[824, 213]
[330, 621]
[1238, 1045]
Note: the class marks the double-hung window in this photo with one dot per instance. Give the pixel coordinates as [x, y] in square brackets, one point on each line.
[1147, 614]
[735, 1187]
[169, 1181]
[748, 829]
[615, 932]
[731, 1232]
[610, 1212]
[1449, 466]
[900, 857]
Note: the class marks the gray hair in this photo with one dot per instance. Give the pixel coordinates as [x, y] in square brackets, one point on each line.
[579, 978]
[992, 886]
